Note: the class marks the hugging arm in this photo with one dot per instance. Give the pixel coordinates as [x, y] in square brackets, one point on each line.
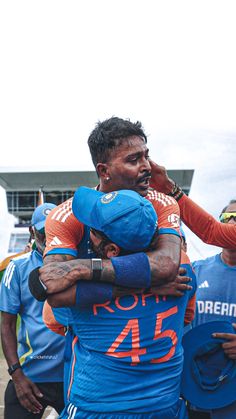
[58, 274]
[204, 225]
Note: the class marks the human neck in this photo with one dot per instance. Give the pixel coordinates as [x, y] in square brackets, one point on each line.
[228, 256]
[103, 187]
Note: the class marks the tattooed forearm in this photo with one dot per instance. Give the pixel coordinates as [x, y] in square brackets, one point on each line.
[57, 258]
[108, 273]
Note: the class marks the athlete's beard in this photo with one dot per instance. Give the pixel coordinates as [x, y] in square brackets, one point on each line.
[100, 249]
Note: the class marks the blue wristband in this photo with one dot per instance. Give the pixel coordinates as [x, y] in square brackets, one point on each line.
[132, 270]
[88, 293]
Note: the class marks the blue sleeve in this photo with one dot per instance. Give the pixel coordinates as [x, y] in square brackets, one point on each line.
[190, 273]
[60, 251]
[88, 293]
[10, 293]
[166, 230]
[63, 315]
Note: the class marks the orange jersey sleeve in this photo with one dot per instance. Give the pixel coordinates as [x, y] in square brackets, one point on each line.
[50, 321]
[190, 310]
[63, 231]
[168, 213]
[205, 226]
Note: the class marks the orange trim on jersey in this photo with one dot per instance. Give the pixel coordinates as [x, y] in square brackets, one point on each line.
[63, 230]
[73, 366]
[190, 310]
[206, 226]
[184, 258]
[50, 321]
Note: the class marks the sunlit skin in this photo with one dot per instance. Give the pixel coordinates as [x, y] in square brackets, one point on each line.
[127, 168]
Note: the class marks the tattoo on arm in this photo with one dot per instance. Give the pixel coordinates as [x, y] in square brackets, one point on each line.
[108, 273]
[57, 258]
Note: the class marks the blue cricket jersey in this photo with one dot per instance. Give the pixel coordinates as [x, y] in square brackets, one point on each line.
[128, 354]
[216, 292]
[40, 351]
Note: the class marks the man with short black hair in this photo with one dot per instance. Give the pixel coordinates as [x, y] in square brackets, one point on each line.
[121, 157]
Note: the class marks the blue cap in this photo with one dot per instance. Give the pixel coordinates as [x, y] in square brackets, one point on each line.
[124, 216]
[209, 376]
[40, 214]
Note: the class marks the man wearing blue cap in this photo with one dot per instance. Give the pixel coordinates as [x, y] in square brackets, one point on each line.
[127, 354]
[36, 368]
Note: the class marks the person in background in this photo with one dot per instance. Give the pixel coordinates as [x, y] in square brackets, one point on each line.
[36, 366]
[216, 295]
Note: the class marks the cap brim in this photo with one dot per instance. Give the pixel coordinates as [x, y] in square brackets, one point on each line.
[83, 203]
[225, 394]
[40, 225]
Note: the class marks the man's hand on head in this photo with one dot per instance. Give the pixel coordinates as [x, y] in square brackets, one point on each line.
[160, 179]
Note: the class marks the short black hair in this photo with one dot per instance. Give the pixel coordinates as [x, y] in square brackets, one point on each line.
[233, 201]
[109, 134]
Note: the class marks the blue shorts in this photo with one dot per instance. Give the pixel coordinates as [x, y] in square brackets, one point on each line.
[177, 411]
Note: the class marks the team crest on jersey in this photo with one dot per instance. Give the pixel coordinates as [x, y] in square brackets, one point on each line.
[106, 199]
[174, 220]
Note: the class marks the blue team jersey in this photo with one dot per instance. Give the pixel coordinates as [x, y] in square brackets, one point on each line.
[40, 351]
[128, 352]
[216, 292]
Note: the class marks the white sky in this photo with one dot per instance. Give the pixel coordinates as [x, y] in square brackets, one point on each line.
[170, 64]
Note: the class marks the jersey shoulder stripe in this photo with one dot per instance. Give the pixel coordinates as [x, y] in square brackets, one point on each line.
[9, 274]
[63, 211]
[163, 199]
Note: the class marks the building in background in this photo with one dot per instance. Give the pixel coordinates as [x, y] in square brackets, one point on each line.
[23, 191]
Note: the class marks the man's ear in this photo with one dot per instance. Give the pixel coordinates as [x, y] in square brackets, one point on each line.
[112, 250]
[102, 171]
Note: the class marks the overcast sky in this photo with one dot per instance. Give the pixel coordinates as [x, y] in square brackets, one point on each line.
[170, 64]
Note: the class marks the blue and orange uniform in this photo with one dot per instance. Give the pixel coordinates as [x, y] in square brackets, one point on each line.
[66, 235]
[127, 354]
